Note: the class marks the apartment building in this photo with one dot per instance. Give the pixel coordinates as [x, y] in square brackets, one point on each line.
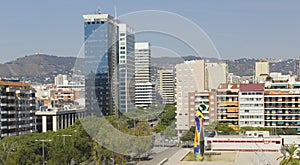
[190, 77]
[228, 103]
[281, 104]
[251, 105]
[17, 107]
[207, 98]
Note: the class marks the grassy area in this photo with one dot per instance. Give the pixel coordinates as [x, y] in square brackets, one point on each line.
[212, 157]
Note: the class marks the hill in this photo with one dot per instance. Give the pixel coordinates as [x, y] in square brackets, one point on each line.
[42, 68]
[37, 68]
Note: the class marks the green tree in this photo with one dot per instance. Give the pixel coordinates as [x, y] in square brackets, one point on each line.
[6, 151]
[189, 135]
[288, 158]
[166, 118]
[269, 78]
[225, 128]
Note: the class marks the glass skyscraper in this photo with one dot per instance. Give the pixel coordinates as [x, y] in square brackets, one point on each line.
[101, 64]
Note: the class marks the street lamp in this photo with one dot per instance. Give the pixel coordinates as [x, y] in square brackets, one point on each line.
[43, 148]
[64, 139]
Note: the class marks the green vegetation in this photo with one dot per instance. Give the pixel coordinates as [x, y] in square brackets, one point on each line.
[189, 135]
[269, 78]
[80, 146]
[166, 119]
[290, 156]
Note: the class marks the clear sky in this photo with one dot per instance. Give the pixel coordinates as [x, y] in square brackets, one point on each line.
[253, 28]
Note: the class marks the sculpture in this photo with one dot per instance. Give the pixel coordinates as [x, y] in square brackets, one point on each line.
[199, 132]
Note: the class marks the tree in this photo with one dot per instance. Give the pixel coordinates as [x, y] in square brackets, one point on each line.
[225, 128]
[166, 118]
[6, 150]
[189, 135]
[288, 158]
[269, 78]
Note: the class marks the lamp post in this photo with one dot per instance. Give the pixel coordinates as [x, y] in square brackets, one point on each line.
[64, 138]
[43, 148]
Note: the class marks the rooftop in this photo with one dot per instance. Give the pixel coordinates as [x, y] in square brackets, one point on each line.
[252, 87]
[15, 84]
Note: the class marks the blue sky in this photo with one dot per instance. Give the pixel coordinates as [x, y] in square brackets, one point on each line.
[254, 28]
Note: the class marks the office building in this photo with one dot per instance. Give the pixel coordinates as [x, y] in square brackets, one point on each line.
[17, 107]
[126, 68]
[261, 71]
[228, 103]
[166, 86]
[251, 105]
[144, 88]
[142, 62]
[101, 64]
[190, 77]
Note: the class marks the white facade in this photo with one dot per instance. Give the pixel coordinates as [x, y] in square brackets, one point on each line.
[55, 119]
[261, 71]
[277, 76]
[126, 68]
[61, 80]
[144, 94]
[142, 62]
[244, 144]
[215, 74]
[251, 107]
[189, 78]
[144, 89]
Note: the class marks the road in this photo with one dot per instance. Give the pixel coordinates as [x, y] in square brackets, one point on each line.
[158, 157]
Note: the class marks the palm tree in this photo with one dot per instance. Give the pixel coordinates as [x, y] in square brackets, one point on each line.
[288, 157]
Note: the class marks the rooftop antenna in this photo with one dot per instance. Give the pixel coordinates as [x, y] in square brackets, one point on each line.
[116, 16]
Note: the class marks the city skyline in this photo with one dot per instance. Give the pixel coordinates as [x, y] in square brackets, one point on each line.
[248, 29]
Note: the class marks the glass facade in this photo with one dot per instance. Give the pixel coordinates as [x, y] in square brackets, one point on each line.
[101, 65]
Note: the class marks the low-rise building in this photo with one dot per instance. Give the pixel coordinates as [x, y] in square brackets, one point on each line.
[55, 119]
[244, 143]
